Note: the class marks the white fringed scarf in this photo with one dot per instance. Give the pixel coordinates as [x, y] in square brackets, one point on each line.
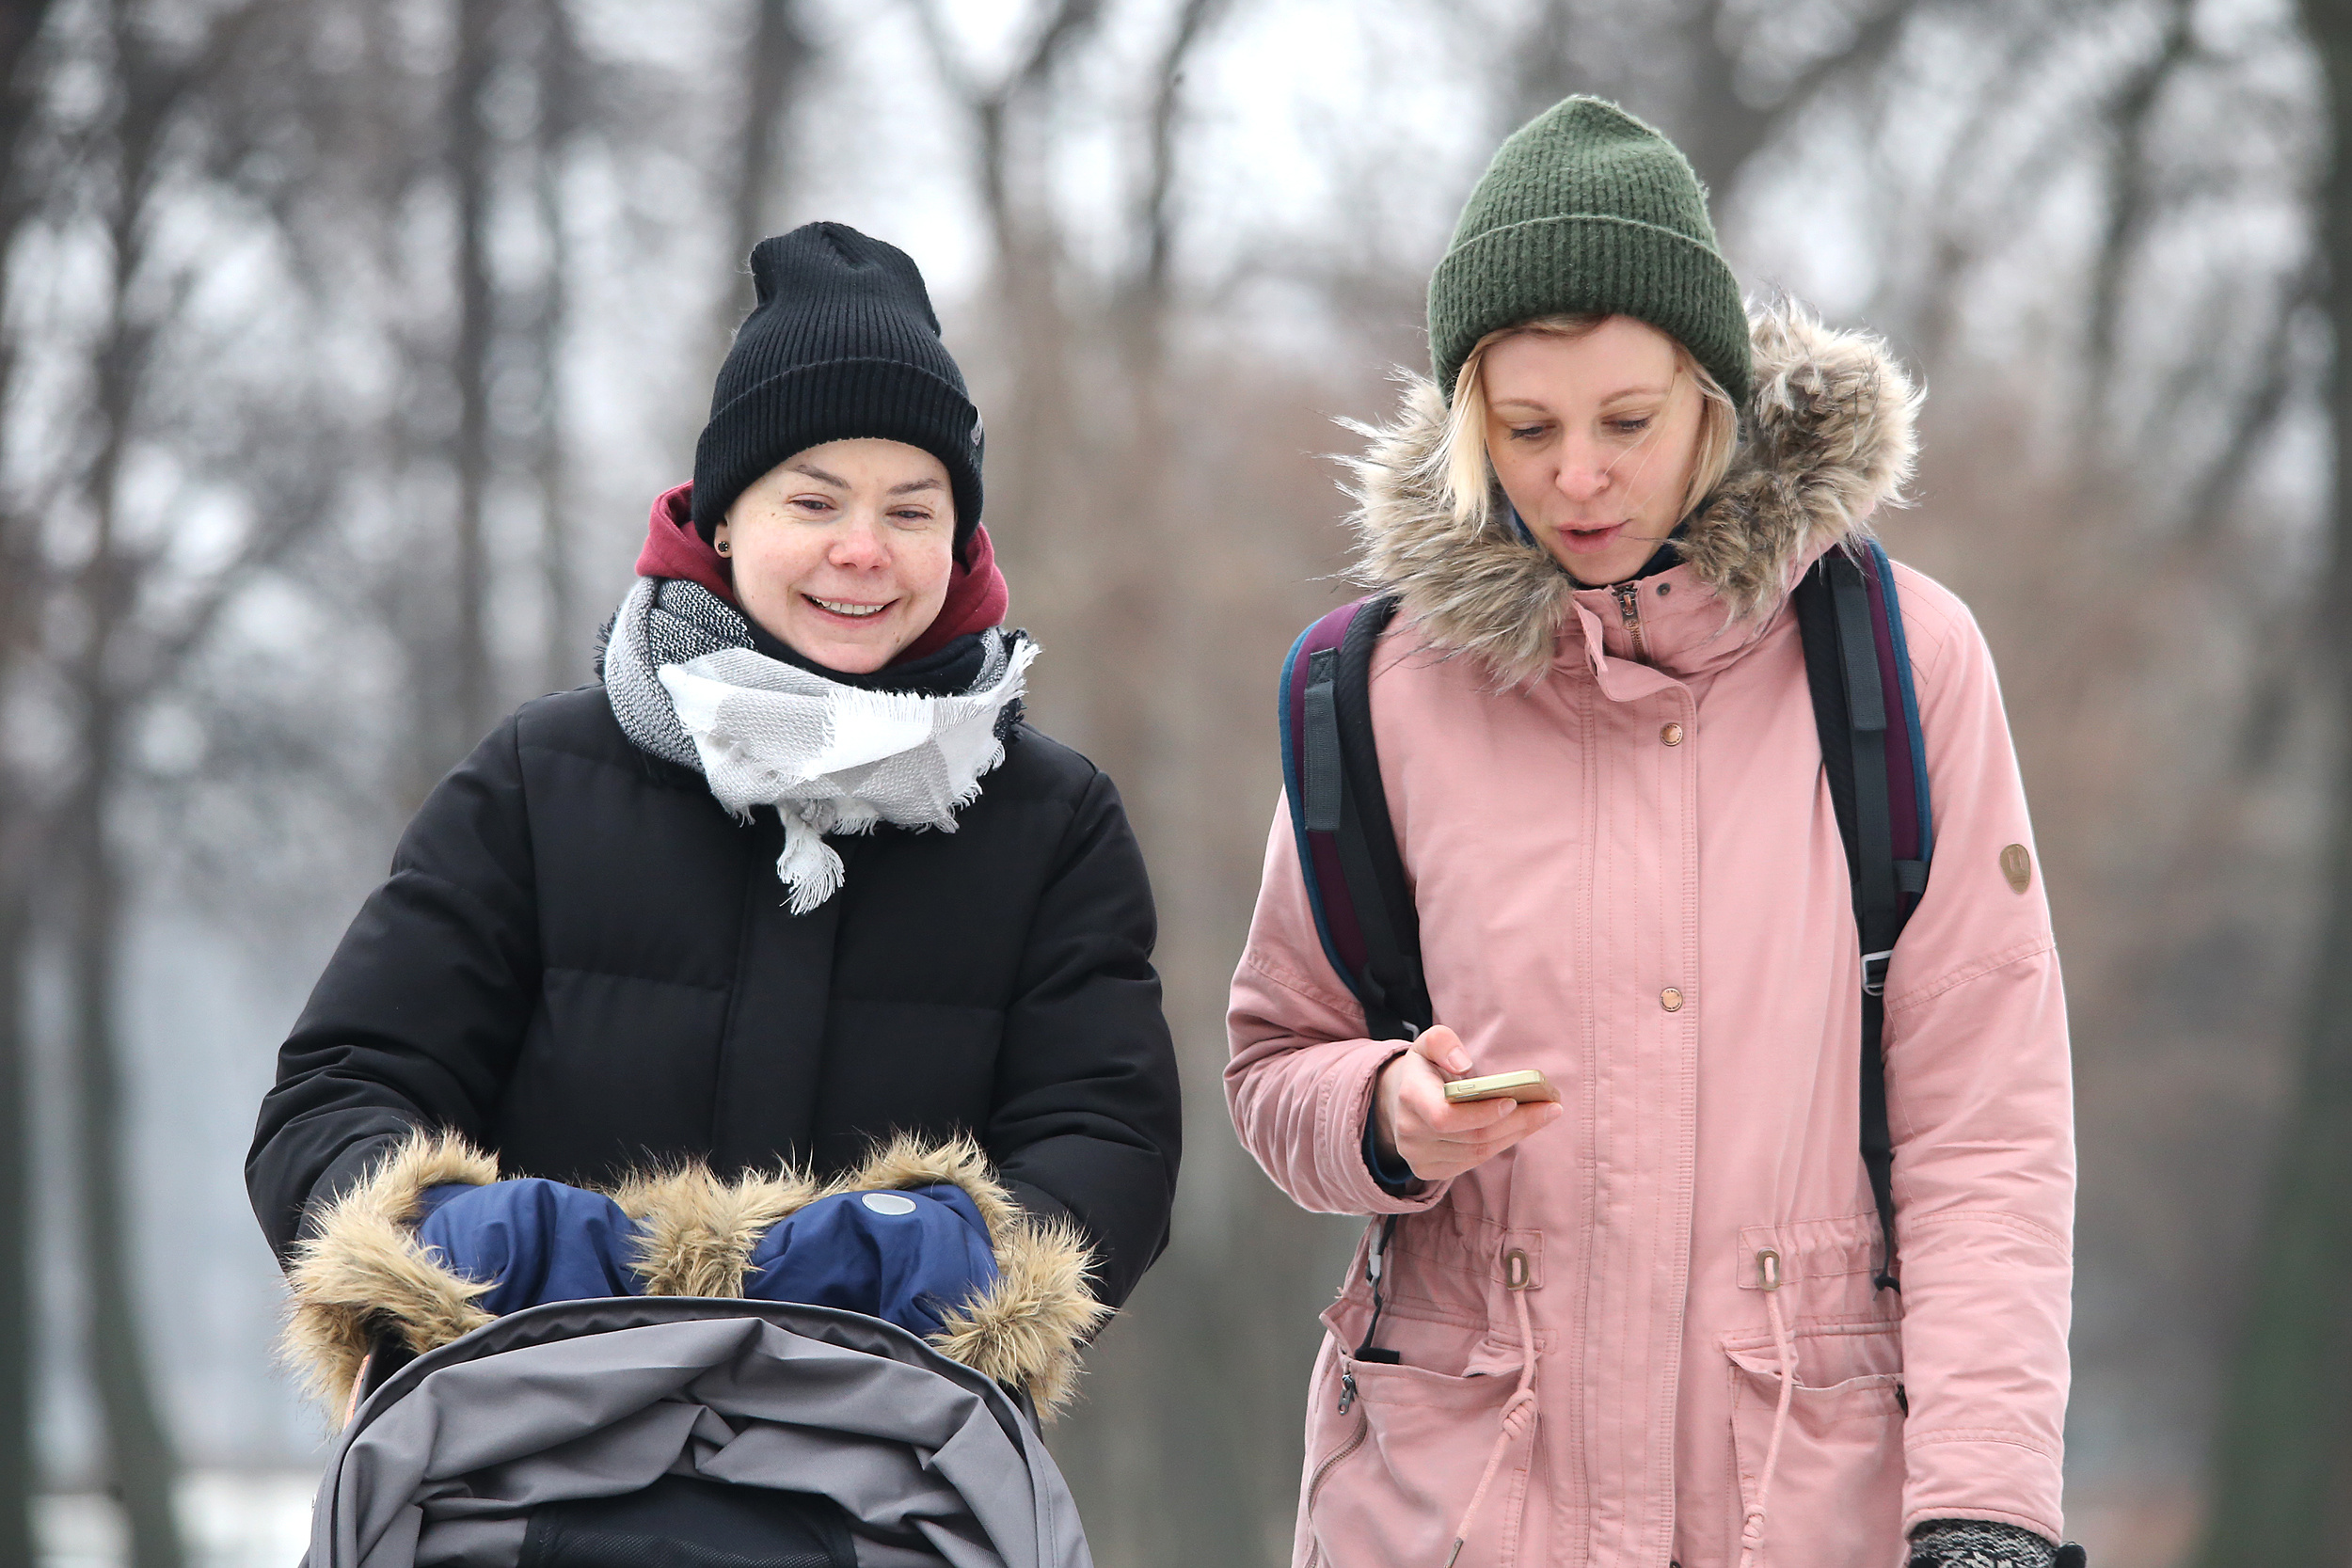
[687, 685]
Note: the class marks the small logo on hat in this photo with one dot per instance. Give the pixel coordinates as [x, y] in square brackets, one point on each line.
[978, 427]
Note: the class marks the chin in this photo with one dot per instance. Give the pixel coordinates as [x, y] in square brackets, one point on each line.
[854, 659]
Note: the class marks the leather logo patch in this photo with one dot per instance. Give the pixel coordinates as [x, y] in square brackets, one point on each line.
[2017, 866]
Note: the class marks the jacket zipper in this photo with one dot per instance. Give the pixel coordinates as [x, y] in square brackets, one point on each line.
[1629, 610]
[1354, 1441]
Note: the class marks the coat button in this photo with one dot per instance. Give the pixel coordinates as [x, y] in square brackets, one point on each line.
[1671, 735]
[1669, 999]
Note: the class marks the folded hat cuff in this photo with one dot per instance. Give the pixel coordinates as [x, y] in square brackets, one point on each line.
[1590, 263]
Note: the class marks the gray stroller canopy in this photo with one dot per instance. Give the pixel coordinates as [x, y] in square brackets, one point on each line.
[449, 1463]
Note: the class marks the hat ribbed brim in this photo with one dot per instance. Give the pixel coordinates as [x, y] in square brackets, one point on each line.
[1578, 262]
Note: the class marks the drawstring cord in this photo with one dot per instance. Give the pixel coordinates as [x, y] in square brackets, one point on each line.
[1519, 1413]
[1752, 1526]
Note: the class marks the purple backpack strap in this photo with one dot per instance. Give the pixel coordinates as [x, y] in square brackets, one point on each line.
[1909, 810]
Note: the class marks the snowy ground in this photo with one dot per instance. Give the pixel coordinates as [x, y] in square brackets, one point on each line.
[234, 1519]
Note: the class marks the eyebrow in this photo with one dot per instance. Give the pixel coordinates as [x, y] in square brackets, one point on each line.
[1618, 396]
[813, 471]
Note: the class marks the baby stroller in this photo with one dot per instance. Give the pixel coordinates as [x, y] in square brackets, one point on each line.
[713, 1403]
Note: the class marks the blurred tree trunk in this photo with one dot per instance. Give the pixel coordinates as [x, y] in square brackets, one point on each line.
[16, 1216]
[2282, 1463]
[470, 143]
[778, 55]
[566, 650]
[20, 33]
[144, 1465]
[158, 94]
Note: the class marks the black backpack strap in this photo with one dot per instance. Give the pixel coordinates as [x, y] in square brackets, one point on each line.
[1339, 813]
[1867, 714]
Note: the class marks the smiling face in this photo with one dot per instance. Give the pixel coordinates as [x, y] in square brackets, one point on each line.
[1594, 436]
[843, 552]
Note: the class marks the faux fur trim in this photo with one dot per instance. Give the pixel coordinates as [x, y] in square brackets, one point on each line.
[365, 1273]
[699, 1231]
[1827, 439]
[362, 1273]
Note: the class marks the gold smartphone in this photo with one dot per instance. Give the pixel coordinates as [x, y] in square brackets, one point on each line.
[1526, 1086]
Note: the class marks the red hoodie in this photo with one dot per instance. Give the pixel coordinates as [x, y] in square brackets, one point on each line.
[977, 597]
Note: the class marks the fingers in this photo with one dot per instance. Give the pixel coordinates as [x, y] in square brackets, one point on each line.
[1436, 1154]
[1435, 1137]
[1444, 1050]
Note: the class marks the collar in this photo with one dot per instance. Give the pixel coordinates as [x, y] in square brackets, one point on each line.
[1828, 437]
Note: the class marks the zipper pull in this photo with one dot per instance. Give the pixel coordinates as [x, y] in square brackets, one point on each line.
[1630, 611]
[1347, 1392]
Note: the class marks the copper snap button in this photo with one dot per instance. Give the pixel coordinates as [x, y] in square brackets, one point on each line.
[1669, 999]
[1671, 735]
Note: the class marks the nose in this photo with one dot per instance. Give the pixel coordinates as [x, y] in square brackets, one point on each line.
[859, 545]
[1582, 473]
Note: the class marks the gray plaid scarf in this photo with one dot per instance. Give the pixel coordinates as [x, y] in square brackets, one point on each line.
[687, 685]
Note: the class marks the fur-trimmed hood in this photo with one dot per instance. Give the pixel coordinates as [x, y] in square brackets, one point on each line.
[1826, 439]
[364, 1273]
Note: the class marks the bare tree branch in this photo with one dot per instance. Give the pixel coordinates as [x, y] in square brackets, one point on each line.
[2130, 175]
[1194, 20]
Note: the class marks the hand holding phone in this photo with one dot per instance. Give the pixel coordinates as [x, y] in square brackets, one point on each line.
[1439, 1138]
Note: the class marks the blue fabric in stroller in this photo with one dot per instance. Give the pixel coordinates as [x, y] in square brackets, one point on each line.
[664, 1426]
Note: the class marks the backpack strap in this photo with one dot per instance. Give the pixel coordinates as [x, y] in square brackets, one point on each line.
[1348, 857]
[1347, 853]
[1873, 754]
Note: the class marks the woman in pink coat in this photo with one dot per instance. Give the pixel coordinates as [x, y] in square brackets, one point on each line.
[1640, 1326]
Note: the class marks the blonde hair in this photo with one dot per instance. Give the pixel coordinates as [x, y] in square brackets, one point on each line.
[1465, 476]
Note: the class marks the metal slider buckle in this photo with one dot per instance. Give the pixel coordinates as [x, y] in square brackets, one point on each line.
[1874, 973]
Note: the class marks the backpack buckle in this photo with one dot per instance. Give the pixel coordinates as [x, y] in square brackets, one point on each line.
[1874, 973]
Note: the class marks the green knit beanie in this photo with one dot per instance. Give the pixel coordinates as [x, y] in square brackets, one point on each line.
[1586, 209]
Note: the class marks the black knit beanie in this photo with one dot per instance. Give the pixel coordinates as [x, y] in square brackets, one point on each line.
[842, 345]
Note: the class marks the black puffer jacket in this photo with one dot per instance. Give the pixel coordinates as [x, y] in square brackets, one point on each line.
[581, 961]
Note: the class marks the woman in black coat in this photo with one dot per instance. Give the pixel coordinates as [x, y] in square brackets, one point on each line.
[794, 878]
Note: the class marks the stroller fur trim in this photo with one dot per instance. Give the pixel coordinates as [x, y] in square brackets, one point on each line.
[363, 1273]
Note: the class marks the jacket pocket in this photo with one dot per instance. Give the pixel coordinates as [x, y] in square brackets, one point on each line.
[1393, 1454]
[1835, 1499]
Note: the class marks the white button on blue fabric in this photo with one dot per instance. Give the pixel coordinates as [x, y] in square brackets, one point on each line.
[889, 1203]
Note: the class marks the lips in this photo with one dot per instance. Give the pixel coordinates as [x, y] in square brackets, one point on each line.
[847, 609]
[1585, 540]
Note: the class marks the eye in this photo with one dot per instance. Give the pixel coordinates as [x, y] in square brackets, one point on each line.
[1527, 432]
[1633, 426]
[812, 506]
[913, 517]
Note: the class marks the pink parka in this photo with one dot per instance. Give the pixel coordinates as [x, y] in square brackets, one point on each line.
[1611, 807]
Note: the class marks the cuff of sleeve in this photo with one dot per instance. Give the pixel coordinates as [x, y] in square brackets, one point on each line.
[1341, 1117]
[1979, 1544]
[1392, 1175]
